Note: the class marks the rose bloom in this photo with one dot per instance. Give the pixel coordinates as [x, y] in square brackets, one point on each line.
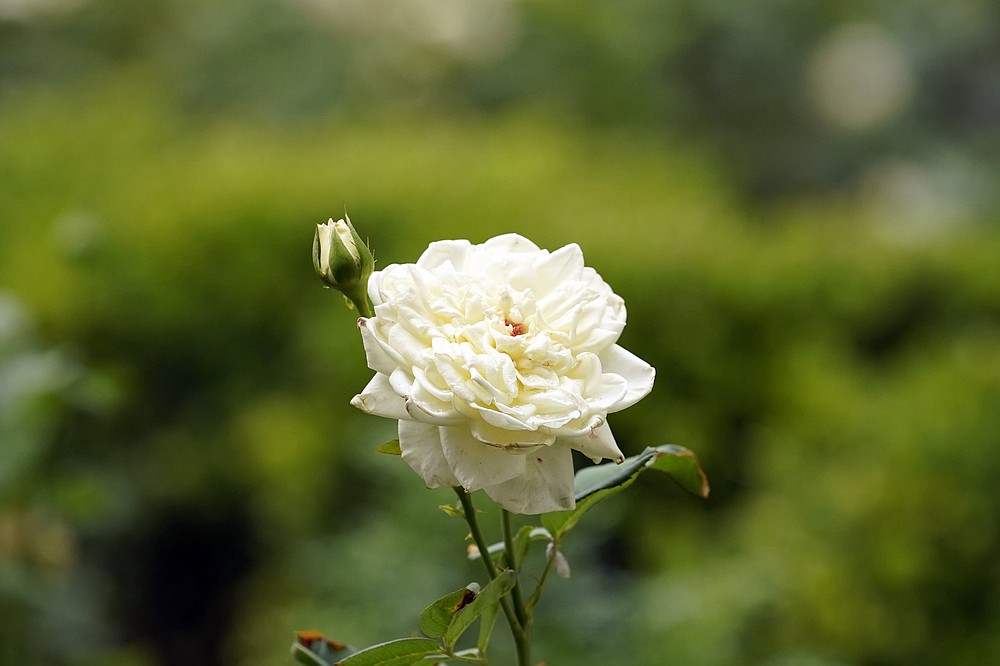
[498, 359]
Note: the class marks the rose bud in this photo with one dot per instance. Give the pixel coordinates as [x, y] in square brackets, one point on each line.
[343, 261]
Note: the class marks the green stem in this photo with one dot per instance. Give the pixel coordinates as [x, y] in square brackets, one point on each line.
[477, 534]
[361, 302]
[508, 544]
[517, 630]
[537, 592]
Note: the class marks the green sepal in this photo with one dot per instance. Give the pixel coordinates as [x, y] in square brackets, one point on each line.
[594, 484]
[489, 596]
[436, 618]
[400, 652]
[391, 447]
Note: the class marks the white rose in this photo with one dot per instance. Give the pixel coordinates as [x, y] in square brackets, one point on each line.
[497, 360]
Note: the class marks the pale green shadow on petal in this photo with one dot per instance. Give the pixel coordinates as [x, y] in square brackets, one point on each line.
[546, 485]
[420, 447]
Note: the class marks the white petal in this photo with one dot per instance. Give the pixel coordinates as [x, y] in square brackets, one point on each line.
[443, 252]
[510, 243]
[639, 374]
[476, 464]
[609, 393]
[431, 413]
[499, 419]
[401, 382]
[378, 359]
[399, 342]
[510, 439]
[379, 399]
[598, 444]
[566, 263]
[546, 485]
[374, 288]
[421, 447]
[580, 426]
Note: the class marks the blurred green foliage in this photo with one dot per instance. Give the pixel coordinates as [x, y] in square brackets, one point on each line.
[182, 480]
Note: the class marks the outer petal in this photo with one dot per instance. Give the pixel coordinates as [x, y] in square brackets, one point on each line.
[476, 464]
[566, 263]
[401, 383]
[378, 359]
[608, 394]
[374, 288]
[546, 485]
[379, 399]
[510, 243]
[442, 252]
[421, 447]
[599, 443]
[639, 374]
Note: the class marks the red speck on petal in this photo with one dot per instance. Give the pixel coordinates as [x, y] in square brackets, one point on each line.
[516, 329]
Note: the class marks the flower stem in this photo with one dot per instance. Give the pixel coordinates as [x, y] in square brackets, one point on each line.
[515, 594]
[537, 592]
[517, 630]
[361, 302]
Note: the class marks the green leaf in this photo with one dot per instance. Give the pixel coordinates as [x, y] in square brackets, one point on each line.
[490, 596]
[595, 484]
[487, 620]
[437, 617]
[682, 466]
[452, 510]
[525, 536]
[400, 652]
[391, 447]
[521, 542]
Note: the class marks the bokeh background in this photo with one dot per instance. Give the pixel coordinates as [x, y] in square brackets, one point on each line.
[799, 202]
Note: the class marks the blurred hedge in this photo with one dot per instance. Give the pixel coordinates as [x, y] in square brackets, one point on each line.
[193, 486]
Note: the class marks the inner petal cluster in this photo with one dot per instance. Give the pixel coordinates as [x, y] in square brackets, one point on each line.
[492, 355]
